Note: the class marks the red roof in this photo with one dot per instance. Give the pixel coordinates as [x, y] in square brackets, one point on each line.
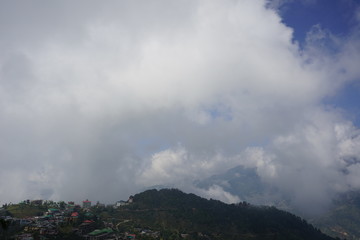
[88, 221]
[86, 201]
[75, 214]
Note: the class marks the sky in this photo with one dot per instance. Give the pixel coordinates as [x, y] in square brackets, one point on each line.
[102, 100]
[338, 18]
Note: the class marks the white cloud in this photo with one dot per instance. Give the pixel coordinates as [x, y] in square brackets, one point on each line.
[96, 98]
[179, 167]
[217, 192]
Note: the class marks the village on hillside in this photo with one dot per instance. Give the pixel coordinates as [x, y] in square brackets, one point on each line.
[39, 219]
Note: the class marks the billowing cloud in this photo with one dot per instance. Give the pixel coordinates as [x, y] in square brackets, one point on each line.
[101, 100]
[217, 192]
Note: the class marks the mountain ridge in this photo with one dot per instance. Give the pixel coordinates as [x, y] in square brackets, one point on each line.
[186, 212]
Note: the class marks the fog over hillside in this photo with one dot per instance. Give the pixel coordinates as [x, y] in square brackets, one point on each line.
[100, 100]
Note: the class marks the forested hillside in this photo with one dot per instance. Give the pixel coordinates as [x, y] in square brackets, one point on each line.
[176, 212]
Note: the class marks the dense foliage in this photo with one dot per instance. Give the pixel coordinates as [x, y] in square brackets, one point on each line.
[173, 211]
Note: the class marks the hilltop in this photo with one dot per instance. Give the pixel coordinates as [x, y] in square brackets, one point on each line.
[175, 211]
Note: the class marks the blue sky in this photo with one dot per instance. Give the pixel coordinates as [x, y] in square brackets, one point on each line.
[338, 17]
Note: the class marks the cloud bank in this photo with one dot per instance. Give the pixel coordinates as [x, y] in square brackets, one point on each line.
[102, 100]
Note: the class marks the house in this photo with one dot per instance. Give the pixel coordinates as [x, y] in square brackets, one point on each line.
[23, 221]
[53, 210]
[130, 236]
[124, 203]
[100, 234]
[86, 204]
[86, 227]
[74, 214]
[120, 203]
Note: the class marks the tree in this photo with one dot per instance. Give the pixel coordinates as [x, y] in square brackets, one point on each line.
[62, 205]
[4, 224]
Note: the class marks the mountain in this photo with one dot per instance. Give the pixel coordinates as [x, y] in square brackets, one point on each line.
[343, 219]
[175, 212]
[248, 186]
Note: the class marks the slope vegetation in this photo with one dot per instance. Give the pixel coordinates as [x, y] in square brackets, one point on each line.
[180, 214]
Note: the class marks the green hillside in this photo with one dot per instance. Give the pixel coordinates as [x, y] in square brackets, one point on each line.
[174, 212]
[23, 211]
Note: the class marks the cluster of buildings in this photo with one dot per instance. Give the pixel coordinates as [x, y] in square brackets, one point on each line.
[80, 219]
[45, 226]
